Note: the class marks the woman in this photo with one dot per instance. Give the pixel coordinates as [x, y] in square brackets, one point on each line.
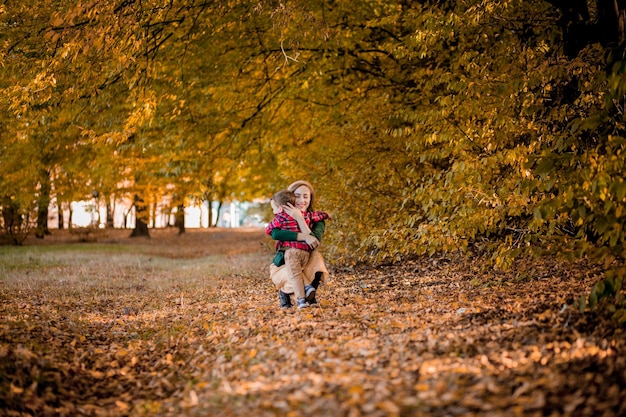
[315, 271]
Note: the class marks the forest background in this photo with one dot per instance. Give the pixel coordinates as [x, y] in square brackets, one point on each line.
[490, 127]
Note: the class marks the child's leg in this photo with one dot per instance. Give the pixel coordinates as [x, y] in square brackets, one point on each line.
[295, 259]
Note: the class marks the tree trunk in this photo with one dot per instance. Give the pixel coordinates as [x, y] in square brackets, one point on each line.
[580, 29]
[10, 215]
[141, 229]
[141, 226]
[154, 214]
[61, 220]
[180, 219]
[210, 213]
[130, 209]
[96, 206]
[611, 15]
[110, 211]
[217, 214]
[208, 197]
[42, 205]
[15, 224]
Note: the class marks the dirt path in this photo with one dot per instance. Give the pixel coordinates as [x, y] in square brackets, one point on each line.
[190, 326]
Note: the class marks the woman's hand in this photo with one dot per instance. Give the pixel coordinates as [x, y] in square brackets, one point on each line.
[294, 212]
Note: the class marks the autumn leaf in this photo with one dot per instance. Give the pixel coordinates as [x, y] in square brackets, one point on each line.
[392, 350]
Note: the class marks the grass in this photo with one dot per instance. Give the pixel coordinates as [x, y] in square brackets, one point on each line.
[78, 263]
[124, 264]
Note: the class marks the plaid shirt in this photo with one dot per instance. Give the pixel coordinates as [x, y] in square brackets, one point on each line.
[284, 221]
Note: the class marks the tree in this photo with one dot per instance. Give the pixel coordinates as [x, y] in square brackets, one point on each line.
[487, 126]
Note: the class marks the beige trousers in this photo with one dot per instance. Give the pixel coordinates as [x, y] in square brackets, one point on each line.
[295, 261]
[280, 274]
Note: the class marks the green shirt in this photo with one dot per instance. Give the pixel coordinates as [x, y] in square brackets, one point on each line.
[317, 230]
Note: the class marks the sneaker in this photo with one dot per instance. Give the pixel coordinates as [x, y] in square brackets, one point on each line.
[309, 292]
[285, 299]
[302, 303]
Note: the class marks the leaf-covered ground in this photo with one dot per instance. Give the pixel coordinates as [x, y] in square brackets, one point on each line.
[190, 326]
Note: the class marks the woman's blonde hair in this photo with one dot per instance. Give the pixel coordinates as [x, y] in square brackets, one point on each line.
[295, 185]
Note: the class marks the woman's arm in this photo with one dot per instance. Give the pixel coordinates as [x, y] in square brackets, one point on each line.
[318, 229]
[313, 238]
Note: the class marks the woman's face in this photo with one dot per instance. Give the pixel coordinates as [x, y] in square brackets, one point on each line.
[303, 197]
